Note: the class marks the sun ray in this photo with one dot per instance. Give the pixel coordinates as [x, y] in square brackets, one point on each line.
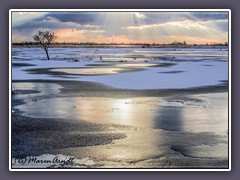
[124, 27]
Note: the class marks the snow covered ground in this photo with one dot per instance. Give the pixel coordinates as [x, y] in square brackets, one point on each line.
[191, 67]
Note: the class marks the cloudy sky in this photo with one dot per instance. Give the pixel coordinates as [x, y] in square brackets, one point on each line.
[123, 27]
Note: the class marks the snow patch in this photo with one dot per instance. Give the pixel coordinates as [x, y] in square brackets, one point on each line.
[199, 66]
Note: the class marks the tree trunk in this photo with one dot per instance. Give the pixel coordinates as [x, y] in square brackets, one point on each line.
[46, 50]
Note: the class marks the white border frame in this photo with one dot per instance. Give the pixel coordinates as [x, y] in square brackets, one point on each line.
[121, 10]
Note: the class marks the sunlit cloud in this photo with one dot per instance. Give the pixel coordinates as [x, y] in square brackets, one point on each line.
[183, 30]
[123, 27]
[74, 35]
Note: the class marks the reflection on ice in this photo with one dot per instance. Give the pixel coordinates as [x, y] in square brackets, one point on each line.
[42, 89]
[210, 115]
[213, 117]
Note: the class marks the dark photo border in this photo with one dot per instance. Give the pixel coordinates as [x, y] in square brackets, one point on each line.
[138, 4]
[123, 10]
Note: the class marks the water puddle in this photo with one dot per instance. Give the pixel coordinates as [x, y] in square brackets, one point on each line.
[30, 91]
[208, 115]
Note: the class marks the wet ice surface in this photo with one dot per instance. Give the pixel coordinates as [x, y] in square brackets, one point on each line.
[157, 149]
[169, 132]
[44, 89]
[166, 132]
[198, 67]
[203, 113]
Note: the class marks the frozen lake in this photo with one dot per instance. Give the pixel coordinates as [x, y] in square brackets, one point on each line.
[137, 124]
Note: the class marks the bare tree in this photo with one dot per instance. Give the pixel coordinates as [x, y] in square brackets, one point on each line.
[45, 39]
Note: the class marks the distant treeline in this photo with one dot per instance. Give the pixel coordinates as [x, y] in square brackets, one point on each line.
[105, 45]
